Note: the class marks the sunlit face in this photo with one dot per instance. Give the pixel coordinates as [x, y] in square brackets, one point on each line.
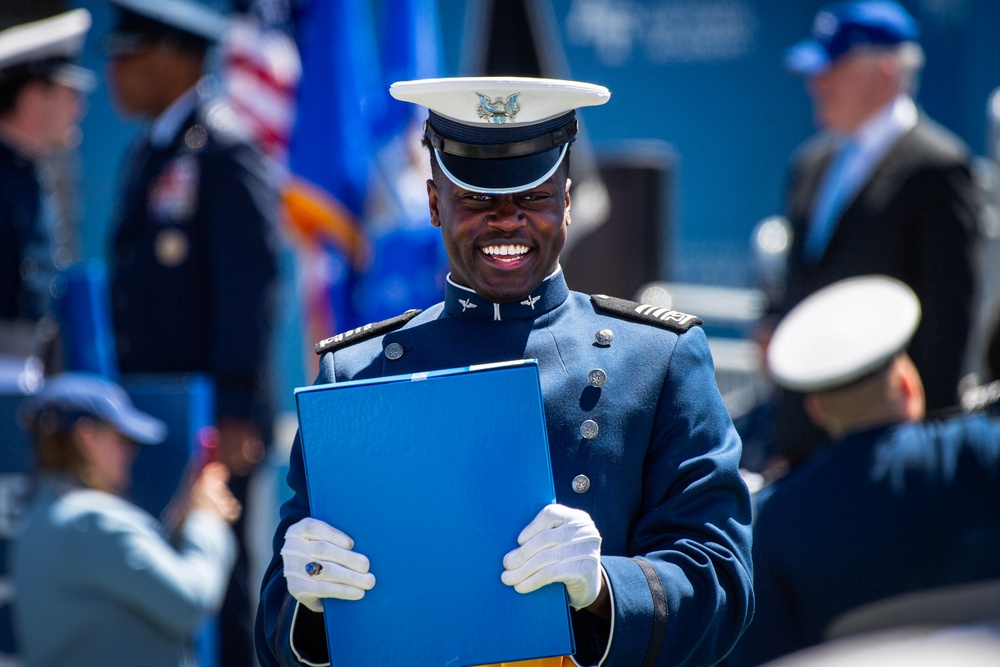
[501, 246]
[109, 455]
[851, 90]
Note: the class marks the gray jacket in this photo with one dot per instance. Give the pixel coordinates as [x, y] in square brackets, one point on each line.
[97, 583]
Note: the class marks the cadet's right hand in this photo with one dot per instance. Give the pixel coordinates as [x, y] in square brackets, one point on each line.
[319, 563]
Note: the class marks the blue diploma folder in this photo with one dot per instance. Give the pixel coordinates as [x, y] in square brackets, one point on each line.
[434, 475]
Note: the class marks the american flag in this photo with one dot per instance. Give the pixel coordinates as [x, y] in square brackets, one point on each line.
[260, 71]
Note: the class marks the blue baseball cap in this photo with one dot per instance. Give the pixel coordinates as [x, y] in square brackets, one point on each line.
[841, 27]
[67, 397]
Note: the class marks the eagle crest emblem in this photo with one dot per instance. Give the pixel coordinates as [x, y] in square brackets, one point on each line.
[498, 110]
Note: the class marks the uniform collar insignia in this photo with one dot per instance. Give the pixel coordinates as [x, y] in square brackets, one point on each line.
[461, 301]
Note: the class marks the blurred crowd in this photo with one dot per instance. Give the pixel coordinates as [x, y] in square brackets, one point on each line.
[875, 462]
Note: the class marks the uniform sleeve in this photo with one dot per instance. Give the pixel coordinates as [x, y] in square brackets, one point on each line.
[121, 554]
[686, 596]
[777, 627]
[10, 265]
[239, 204]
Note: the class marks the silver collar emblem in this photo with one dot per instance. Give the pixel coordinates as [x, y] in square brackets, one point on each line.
[498, 110]
[531, 301]
[466, 304]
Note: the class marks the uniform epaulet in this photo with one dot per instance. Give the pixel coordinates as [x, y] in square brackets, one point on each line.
[364, 333]
[223, 122]
[641, 312]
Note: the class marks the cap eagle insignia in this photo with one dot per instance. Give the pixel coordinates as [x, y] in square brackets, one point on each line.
[498, 110]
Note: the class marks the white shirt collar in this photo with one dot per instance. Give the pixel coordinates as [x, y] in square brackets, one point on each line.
[552, 275]
[163, 130]
[893, 121]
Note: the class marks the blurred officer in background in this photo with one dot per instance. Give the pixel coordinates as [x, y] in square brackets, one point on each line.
[41, 100]
[895, 504]
[650, 531]
[882, 190]
[99, 581]
[194, 252]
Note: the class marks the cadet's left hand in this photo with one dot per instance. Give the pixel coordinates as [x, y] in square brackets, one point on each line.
[561, 544]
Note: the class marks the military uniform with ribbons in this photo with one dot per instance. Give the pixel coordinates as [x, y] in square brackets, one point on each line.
[194, 262]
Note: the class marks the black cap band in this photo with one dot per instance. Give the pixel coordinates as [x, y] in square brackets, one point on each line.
[494, 143]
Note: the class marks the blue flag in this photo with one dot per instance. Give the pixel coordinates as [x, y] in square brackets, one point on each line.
[408, 260]
[331, 148]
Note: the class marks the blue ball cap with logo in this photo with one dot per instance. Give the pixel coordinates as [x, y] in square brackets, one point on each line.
[839, 28]
[67, 397]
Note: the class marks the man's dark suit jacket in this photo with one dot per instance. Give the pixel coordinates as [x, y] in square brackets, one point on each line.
[914, 219]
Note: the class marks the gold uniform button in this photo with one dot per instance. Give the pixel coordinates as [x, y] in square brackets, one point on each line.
[171, 247]
[393, 351]
[581, 483]
[589, 429]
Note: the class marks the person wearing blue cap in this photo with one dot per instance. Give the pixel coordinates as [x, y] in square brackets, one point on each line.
[881, 190]
[41, 101]
[650, 530]
[193, 260]
[897, 504]
[99, 581]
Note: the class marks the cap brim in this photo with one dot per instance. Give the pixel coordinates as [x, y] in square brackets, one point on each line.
[123, 43]
[141, 428]
[501, 176]
[76, 77]
[807, 58]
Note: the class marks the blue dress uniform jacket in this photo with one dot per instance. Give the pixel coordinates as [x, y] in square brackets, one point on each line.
[26, 266]
[881, 512]
[659, 478]
[194, 263]
[98, 583]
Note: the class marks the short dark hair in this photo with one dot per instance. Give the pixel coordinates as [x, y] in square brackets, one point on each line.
[55, 444]
[11, 86]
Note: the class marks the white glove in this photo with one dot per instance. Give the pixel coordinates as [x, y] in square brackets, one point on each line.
[337, 572]
[561, 544]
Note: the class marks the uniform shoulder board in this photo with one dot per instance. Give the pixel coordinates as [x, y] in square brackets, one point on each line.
[640, 312]
[223, 122]
[364, 333]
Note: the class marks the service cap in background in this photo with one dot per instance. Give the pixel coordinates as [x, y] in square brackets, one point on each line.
[185, 23]
[47, 49]
[499, 134]
[839, 28]
[67, 397]
[842, 333]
